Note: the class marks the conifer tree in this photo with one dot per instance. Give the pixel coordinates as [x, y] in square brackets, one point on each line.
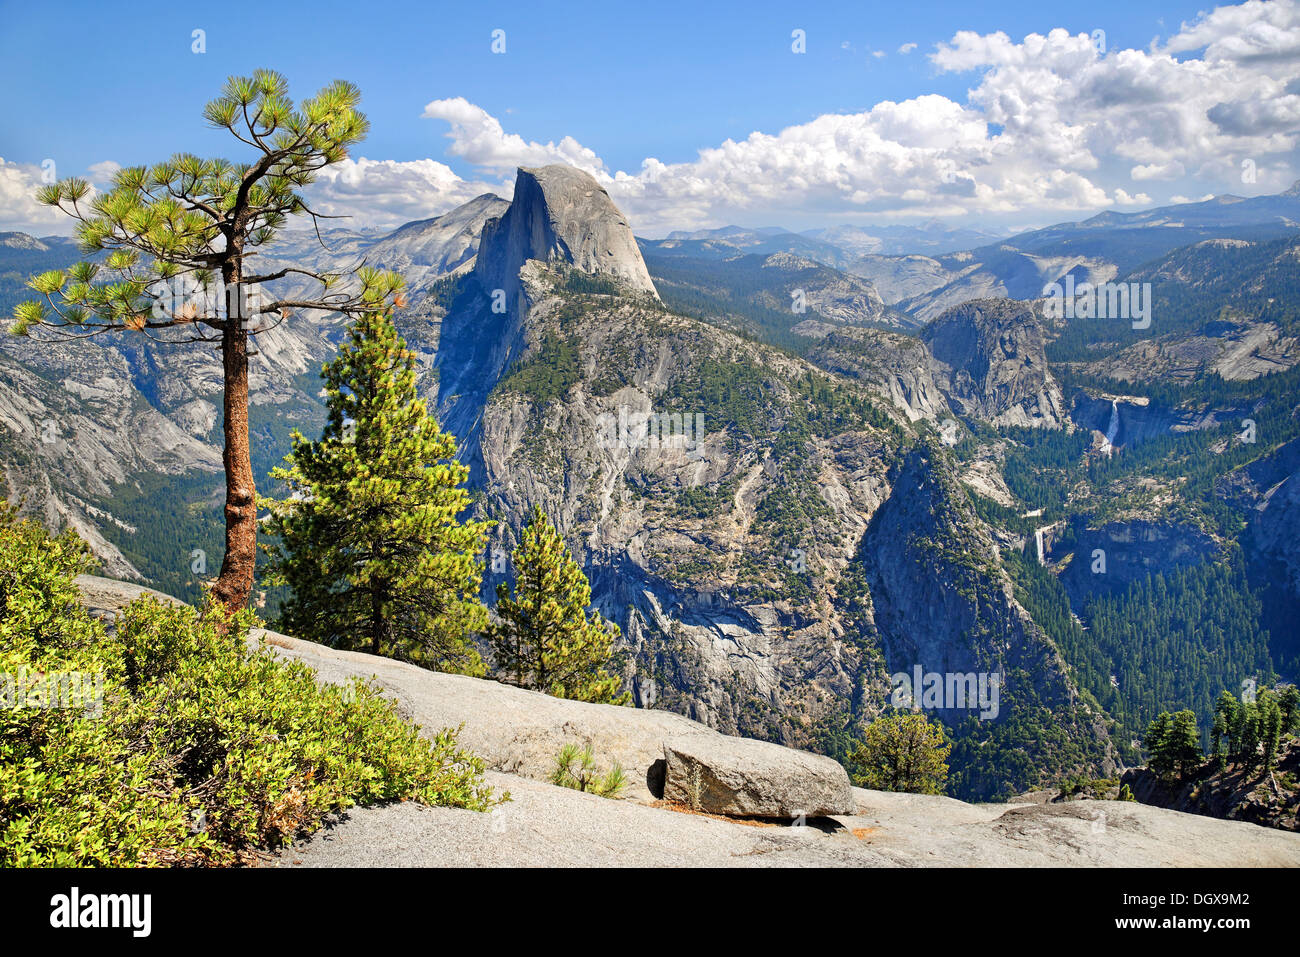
[1173, 743]
[1289, 701]
[181, 236]
[370, 540]
[1270, 726]
[545, 639]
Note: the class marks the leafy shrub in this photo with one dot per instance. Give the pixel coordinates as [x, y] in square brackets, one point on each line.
[200, 748]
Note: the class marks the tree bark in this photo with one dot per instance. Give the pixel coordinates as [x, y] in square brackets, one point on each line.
[235, 583]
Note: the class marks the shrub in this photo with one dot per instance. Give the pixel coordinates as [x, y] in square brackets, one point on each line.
[200, 749]
[576, 768]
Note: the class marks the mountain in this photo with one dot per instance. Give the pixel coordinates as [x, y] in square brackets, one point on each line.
[828, 498]
[783, 299]
[428, 249]
[932, 238]
[991, 360]
[560, 214]
[768, 558]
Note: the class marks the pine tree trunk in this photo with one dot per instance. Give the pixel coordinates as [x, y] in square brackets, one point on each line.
[235, 582]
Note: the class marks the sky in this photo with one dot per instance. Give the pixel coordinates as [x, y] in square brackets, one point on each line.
[692, 115]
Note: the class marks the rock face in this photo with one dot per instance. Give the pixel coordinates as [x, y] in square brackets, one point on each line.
[429, 248]
[521, 732]
[1132, 551]
[1267, 799]
[744, 778]
[991, 361]
[895, 366]
[545, 825]
[836, 296]
[560, 213]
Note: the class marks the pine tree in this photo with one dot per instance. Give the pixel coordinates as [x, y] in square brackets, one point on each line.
[180, 237]
[902, 752]
[1289, 701]
[1270, 726]
[1184, 743]
[1157, 743]
[370, 539]
[545, 639]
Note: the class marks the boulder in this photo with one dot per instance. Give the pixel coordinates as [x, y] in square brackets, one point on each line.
[740, 777]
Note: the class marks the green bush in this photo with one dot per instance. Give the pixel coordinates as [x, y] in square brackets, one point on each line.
[199, 749]
[575, 768]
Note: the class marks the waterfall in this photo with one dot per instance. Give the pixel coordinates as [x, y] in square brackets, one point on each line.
[1112, 430]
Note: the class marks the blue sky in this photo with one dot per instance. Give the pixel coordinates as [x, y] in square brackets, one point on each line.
[628, 82]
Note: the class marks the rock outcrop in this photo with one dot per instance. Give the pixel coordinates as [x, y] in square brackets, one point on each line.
[559, 213]
[739, 777]
[991, 361]
[547, 825]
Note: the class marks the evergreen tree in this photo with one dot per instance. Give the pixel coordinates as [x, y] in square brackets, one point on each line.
[1157, 742]
[1248, 735]
[370, 539]
[1270, 726]
[545, 639]
[191, 226]
[1227, 719]
[902, 752]
[1184, 743]
[1290, 704]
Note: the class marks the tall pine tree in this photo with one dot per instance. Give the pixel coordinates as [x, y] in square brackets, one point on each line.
[545, 639]
[370, 539]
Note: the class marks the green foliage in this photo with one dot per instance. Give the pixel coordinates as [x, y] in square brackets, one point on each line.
[1174, 744]
[1289, 702]
[369, 540]
[549, 374]
[902, 751]
[545, 639]
[1175, 639]
[576, 768]
[161, 222]
[198, 748]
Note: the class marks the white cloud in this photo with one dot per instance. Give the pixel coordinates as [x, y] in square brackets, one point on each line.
[1172, 170]
[1122, 198]
[102, 172]
[389, 193]
[18, 207]
[1049, 127]
[477, 136]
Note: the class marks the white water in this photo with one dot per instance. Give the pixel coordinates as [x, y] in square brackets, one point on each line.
[1112, 430]
[1038, 540]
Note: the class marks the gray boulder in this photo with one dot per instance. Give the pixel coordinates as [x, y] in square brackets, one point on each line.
[741, 777]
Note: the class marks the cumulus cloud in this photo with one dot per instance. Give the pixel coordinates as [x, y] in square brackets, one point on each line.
[1122, 198]
[102, 172]
[477, 136]
[1158, 171]
[1052, 124]
[18, 207]
[389, 193]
